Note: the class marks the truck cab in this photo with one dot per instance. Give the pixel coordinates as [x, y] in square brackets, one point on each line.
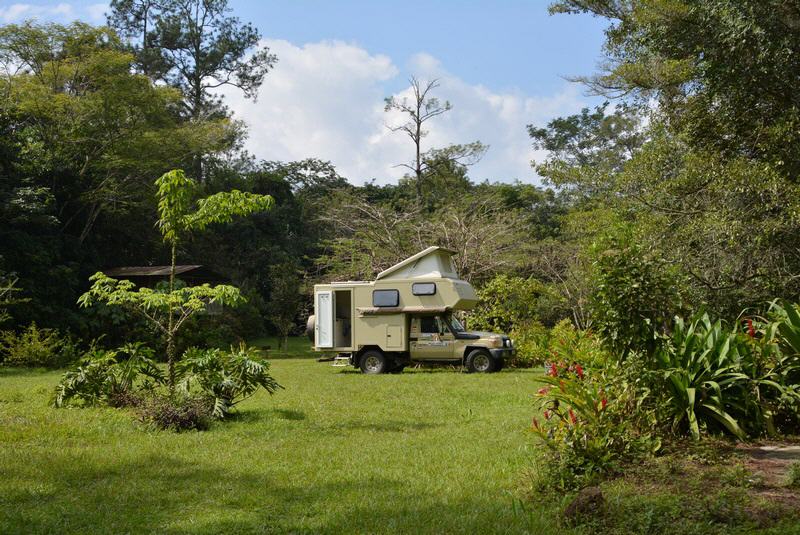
[407, 315]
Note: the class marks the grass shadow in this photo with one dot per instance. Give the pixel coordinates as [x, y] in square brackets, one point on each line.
[289, 414]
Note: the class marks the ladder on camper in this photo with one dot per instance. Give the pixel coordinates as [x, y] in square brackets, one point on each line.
[340, 360]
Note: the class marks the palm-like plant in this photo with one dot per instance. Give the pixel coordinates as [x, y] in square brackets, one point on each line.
[106, 376]
[701, 363]
[734, 378]
[229, 376]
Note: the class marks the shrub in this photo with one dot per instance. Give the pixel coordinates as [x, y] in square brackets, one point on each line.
[636, 296]
[227, 377]
[176, 413]
[537, 345]
[110, 377]
[592, 421]
[737, 379]
[210, 383]
[35, 346]
[506, 302]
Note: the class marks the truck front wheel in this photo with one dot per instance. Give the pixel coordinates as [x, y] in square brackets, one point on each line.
[480, 361]
[373, 362]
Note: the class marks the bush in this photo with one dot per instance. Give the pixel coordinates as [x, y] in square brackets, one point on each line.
[114, 377]
[210, 383]
[592, 420]
[227, 377]
[740, 380]
[505, 302]
[537, 345]
[177, 413]
[793, 475]
[36, 347]
[636, 297]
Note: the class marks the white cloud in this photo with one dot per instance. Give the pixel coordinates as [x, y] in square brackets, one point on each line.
[325, 100]
[61, 12]
[97, 12]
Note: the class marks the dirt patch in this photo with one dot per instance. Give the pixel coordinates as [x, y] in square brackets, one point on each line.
[770, 461]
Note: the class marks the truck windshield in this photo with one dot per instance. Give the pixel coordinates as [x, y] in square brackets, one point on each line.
[454, 324]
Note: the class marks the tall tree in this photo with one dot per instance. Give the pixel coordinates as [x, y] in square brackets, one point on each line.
[195, 46]
[418, 110]
[179, 215]
[81, 136]
[724, 72]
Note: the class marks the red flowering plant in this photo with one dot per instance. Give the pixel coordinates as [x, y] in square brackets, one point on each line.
[590, 420]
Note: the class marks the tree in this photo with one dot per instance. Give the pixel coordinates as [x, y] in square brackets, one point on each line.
[585, 148]
[284, 299]
[370, 237]
[179, 215]
[8, 289]
[195, 46]
[81, 136]
[421, 108]
[724, 72]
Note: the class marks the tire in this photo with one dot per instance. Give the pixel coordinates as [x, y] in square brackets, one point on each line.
[373, 362]
[480, 361]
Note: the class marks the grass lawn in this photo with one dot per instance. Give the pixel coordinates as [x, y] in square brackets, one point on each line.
[297, 346]
[426, 451]
[335, 452]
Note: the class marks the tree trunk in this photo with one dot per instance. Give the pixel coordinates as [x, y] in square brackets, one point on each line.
[171, 327]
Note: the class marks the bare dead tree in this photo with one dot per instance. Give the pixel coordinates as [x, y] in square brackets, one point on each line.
[421, 108]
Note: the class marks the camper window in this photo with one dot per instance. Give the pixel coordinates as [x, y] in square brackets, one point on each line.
[432, 325]
[423, 288]
[385, 298]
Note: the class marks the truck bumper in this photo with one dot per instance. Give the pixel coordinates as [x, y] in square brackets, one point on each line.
[503, 352]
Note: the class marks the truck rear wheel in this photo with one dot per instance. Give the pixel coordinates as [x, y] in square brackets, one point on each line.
[373, 362]
[480, 361]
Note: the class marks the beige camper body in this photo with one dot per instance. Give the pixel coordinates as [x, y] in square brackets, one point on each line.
[404, 315]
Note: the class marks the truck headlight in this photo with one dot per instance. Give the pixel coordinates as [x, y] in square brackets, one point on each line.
[508, 343]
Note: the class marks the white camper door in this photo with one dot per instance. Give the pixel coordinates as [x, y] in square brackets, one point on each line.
[323, 335]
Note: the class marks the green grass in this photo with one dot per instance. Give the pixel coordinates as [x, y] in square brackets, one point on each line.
[297, 347]
[335, 452]
[426, 451]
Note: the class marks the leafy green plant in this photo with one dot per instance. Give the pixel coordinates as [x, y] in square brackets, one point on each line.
[228, 377]
[636, 294]
[35, 346]
[112, 377]
[179, 215]
[731, 378]
[793, 475]
[592, 420]
[537, 345]
[506, 302]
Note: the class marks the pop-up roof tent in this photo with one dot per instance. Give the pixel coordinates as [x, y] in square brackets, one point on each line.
[433, 262]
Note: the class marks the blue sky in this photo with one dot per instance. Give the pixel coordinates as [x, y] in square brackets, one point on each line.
[501, 64]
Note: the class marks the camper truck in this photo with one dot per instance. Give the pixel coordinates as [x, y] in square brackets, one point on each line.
[404, 316]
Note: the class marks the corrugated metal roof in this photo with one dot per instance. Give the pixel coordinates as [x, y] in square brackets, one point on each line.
[148, 271]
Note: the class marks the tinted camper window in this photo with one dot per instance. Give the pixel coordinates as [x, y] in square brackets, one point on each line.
[423, 288]
[385, 298]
